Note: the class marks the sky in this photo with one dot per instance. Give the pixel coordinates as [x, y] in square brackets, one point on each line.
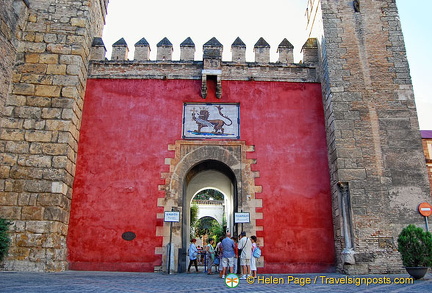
[273, 20]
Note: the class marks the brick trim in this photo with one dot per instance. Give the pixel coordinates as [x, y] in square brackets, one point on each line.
[189, 153]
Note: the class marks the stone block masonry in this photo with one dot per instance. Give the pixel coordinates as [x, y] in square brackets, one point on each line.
[12, 19]
[372, 129]
[45, 75]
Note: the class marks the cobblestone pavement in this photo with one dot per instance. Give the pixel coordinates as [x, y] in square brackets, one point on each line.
[79, 281]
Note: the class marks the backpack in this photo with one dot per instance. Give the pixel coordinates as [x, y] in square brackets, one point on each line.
[257, 252]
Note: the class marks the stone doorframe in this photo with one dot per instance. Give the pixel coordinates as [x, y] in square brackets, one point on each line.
[188, 154]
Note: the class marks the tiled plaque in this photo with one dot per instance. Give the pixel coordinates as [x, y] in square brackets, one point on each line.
[211, 121]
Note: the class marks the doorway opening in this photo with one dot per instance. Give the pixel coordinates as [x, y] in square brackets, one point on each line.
[208, 216]
[200, 165]
[211, 188]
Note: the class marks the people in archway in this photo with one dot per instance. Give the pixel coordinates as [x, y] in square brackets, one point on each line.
[253, 266]
[219, 256]
[200, 255]
[245, 244]
[193, 255]
[210, 256]
[236, 253]
[228, 254]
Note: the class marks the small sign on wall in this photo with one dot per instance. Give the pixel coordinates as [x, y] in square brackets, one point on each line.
[241, 218]
[172, 217]
[211, 121]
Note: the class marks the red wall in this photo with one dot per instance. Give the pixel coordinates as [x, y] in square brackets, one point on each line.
[126, 128]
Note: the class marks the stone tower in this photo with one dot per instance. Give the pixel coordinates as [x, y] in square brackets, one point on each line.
[376, 161]
[46, 44]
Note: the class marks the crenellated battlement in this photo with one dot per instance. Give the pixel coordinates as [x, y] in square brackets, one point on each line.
[120, 51]
[211, 67]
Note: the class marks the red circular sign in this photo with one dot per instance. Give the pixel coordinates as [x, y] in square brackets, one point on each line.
[425, 209]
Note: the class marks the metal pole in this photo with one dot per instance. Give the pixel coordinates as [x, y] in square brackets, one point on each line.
[170, 246]
[427, 224]
[169, 251]
[241, 223]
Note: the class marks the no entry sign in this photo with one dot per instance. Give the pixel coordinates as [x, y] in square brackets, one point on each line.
[425, 209]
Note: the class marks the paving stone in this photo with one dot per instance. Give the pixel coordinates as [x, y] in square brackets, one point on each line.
[79, 281]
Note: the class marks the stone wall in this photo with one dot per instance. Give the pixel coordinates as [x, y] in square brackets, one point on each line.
[188, 70]
[12, 17]
[144, 68]
[372, 130]
[40, 127]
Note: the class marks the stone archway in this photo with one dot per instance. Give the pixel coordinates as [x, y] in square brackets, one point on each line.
[210, 175]
[192, 160]
[212, 207]
[207, 174]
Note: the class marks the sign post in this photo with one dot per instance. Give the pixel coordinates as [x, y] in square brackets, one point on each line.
[241, 218]
[425, 210]
[171, 217]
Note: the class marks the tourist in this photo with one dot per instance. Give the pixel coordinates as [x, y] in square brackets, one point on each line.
[254, 260]
[193, 254]
[210, 255]
[228, 254]
[236, 253]
[219, 256]
[245, 245]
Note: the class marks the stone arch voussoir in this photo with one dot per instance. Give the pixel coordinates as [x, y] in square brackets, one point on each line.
[188, 154]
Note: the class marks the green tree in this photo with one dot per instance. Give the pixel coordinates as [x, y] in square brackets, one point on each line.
[415, 247]
[193, 214]
[206, 194]
[4, 238]
[218, 230]
[204, 225]
[193, 219]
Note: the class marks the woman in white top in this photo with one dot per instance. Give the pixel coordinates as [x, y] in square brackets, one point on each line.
[253, 259]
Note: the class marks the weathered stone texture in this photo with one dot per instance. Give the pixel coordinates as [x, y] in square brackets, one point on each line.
[49, 44]
[193, 70]
[372, 129]
[12, 17]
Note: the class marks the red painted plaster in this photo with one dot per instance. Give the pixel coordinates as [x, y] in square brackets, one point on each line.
[126, 128]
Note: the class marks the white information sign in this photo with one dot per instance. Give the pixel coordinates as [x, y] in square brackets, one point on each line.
[172, 217]
[241, 218]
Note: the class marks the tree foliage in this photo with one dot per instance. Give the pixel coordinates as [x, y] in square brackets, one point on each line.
[210, 227]
[415, 247]
[193, 214]
[218, 230]
[204, 225]
[206, 194]
[4, 238]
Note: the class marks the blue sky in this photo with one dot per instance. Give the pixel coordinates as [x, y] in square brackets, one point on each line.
[416, 22]
[250, 20]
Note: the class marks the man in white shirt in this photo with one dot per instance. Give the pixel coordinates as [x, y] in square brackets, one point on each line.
[245, 244]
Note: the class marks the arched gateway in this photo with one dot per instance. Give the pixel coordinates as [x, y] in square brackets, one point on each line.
[223, 164]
